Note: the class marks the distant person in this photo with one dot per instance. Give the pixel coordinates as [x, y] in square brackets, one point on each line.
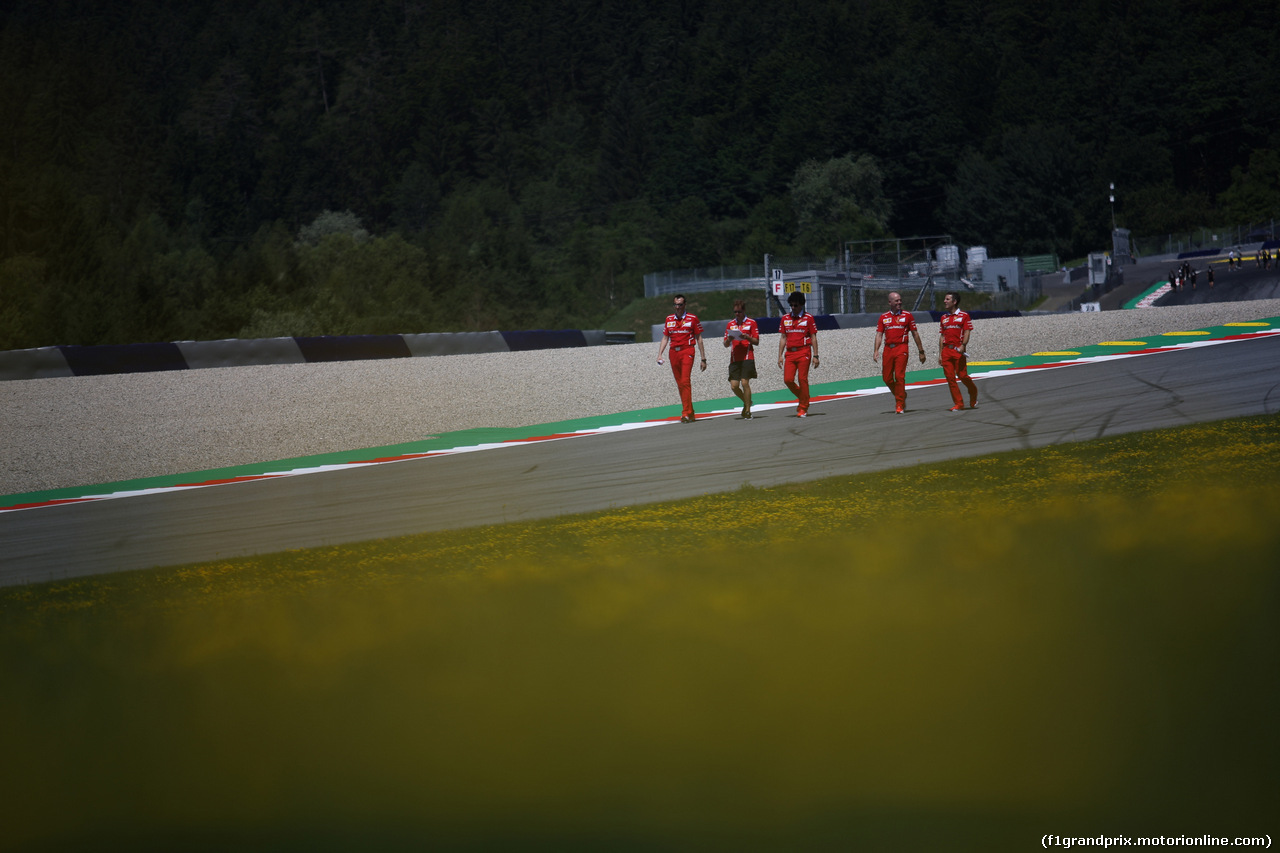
[682, 330]
[742, 336]
[797, 347]
[1193, 279]
[1210, 278]
[892, 330]
[954, 329]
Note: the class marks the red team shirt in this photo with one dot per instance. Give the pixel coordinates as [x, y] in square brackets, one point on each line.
[954, 326]
[896, 327]
[742, 350]
[798, 332]
[682, 330]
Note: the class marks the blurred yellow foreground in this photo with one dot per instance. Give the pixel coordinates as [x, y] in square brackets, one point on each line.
[1078, 641]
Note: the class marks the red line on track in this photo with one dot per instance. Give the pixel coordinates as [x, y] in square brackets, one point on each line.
[49, 503]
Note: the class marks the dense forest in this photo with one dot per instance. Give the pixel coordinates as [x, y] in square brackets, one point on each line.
[246, 168]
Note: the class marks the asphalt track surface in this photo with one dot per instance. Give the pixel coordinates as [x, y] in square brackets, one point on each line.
[1247, 283]
[671, 461]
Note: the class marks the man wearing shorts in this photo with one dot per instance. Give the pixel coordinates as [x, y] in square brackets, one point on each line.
[742, 337]
[892, 330]
[797, 345]
[682, 331]
[953, 347]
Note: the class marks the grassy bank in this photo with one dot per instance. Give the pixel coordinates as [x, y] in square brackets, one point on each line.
[1080, 640]
[642, 314]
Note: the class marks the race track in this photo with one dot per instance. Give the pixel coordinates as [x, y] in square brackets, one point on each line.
[529, 481]
[1246, 284]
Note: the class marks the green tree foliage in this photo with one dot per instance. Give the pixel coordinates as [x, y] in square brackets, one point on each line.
[1254, 190]
[329, 223]
[336, 279]
[377, 286]
[163, 158]
[23, 294]
[597, 272]
[1162, 208]
[1025, 198]
[222, 129]
[841, 199]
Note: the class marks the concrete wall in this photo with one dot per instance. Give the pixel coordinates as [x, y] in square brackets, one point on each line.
[1011, 268]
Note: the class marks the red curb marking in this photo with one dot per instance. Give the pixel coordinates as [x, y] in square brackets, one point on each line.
[50, 503]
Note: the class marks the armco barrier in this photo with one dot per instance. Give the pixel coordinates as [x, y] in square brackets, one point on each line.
[65, 361]
[123, 358]
[455, 343]
[353, 347]
[43, 363]
[234, 353]
[522, 341]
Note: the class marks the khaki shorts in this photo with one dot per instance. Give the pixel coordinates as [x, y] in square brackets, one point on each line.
[745, 369]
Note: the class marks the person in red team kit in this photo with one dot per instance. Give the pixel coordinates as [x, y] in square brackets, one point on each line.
[682, 331]
[798, 342]
[953, 347]
[743, 337]
[892, 332]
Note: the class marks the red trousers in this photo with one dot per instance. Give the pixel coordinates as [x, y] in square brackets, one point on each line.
[795, 374]
[682, 369]
[955, 366]
[895, 371]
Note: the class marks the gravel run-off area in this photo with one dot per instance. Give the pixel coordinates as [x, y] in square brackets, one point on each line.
[56, 433]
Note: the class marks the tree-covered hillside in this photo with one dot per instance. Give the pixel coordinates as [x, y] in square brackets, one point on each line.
[212, 169]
